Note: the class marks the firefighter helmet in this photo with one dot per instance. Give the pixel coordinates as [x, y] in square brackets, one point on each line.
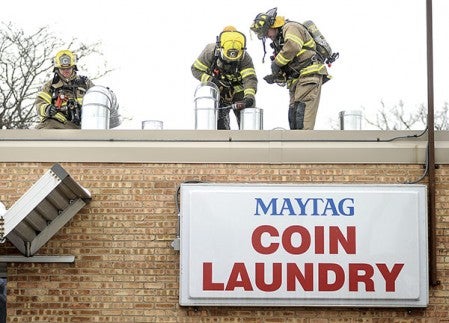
[263, 22]
[278, 22]
[65, 59]
[232, 44]
[229, 28]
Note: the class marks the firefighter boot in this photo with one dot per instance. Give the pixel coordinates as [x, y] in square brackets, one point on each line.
[296, 115]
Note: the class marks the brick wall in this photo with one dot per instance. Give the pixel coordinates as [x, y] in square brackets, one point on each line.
[125, 269]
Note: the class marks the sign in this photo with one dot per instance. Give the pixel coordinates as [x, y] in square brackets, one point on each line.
[303, 245]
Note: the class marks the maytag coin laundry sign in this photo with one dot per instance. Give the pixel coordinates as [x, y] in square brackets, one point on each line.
[303, 245]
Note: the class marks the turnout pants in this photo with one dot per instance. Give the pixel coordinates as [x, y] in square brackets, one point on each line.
[55, 124]
[227, 98]
[304, 100]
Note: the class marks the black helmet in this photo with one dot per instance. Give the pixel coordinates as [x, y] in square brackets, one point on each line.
[263, 22]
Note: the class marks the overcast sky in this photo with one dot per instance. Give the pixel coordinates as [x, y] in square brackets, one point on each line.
[382, 46]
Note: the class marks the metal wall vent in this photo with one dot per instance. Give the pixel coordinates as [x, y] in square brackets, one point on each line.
[44, 209]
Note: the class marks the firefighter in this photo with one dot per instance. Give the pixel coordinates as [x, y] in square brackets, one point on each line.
[294, 64]
[227, 64]
[59, 102]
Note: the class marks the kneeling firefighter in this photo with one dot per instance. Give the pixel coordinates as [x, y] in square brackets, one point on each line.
[227, 64]
[295, 63]
[59, 102]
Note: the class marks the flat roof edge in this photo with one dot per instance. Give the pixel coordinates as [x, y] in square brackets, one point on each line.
[233, 146]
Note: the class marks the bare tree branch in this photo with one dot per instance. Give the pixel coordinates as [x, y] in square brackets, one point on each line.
[400, 117]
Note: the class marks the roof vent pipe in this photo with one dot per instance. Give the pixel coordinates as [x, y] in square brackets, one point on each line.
[350, 120]
[100, 109]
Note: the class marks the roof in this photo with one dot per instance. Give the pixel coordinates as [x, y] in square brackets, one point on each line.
[225, 146]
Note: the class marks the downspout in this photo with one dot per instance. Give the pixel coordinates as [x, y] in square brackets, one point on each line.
[431, 151]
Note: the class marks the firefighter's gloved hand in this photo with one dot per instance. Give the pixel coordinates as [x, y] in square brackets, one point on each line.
[248, 102]
[269, 78]
[50, 110]
[275, 68]
[239, 105]
[72, 104]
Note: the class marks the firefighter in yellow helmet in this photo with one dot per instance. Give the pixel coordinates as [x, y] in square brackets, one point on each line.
[294, 64]
[59, 102]
[227, 64]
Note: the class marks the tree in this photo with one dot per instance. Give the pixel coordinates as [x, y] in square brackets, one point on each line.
[26, 64]
[398, 117]
[440, 117]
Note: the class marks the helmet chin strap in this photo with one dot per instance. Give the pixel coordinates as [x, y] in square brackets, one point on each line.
[264, 49]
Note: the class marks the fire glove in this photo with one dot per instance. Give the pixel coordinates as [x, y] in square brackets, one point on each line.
[275, 68]
[71, 104]
[50, 110]
[269, 78]
[246, 103]
[239, 105]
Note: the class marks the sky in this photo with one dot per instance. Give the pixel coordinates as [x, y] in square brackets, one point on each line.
[382, 47]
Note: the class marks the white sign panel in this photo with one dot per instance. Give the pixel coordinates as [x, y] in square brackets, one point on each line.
[304, 245]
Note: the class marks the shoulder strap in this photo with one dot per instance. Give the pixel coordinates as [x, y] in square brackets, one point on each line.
[213, 66]
[55, 80]
[81, 81]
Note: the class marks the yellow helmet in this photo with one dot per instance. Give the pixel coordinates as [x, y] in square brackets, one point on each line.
[229, 28]
[232, 45]
[265, 21]
[64, 59]
[278, 22]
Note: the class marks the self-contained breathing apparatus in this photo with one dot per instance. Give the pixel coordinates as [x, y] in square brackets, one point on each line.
[229, 51]
[68, 104]
[69, 107]
[322, 49]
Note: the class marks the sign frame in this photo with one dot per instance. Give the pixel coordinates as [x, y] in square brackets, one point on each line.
[221, 217]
